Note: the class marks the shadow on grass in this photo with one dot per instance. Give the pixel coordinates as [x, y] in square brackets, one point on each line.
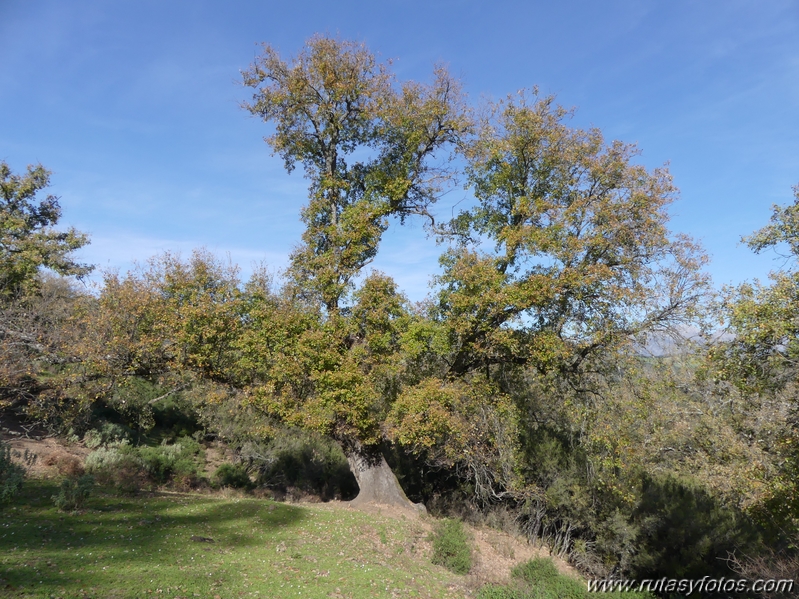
[39, 543]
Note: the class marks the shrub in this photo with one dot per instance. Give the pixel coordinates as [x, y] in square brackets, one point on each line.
[11, 474]
[232, 475]
[564, 587]
[177, 461]
[540, 579]
[451, 547]
[73, 492]
[106, 457]
[105, 433]
[92, 439]
[683, 529]
[118, 466]
[537, 579]
[65, 464]
[538, 570]
[128, 468]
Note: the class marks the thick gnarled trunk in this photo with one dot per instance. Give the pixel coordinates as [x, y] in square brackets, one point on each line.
[377, 483]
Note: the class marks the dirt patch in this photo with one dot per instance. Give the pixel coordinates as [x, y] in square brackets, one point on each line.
[40, 453]
[216, 454]
[46, 457]
[497, 552]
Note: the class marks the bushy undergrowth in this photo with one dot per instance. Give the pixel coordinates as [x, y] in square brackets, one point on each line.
[303, 461]
[177, 461]
[73, 492]
[539, 570]
[451, 547]
[661, 525]
[234, 476]
[11, 475]
[106, 432]
[129, 468]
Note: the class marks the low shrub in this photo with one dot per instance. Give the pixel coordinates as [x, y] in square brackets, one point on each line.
[11, 474]
[564, 587]
[129, 468]
[451, 546]
[543, 580]
[118, 466]
[177, 462]
[65, 464]
[540, 579]
[106, 432]
[232, 475]
[538, 570]
[73, 492]
[92, 439]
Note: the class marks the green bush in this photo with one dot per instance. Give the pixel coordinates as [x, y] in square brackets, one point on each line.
[118, 465]
[563, 587]
[11, 474]
[538, 570]
[451, 547]
[536, 579]
[105, 433]
[172, 462]
[129, 468]
[683, 529]
[540, 579]
[73, 492]
[104, 457]
[92, 439]
[232, 475]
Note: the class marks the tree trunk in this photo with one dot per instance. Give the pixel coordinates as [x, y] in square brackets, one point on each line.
[377, 482]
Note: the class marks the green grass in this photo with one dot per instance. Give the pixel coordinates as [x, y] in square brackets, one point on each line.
[141, 547]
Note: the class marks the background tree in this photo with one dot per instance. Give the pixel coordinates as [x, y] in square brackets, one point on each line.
[28, 240]
[33, 305]
[168, 327]
[372, 150]
[760, 356]
[765, 318]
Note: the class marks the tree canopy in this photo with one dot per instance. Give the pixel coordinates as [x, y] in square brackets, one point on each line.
[761, 352]
[564, 257]
[33, 305]
[371, 149]
[28, 239]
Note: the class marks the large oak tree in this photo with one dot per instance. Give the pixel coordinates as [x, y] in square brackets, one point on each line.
[372, 150]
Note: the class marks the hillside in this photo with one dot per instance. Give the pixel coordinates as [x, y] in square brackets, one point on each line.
[226, 544]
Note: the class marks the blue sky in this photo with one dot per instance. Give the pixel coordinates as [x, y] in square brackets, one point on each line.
[134, 106]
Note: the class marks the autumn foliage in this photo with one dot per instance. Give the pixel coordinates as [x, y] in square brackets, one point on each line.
[525, 384]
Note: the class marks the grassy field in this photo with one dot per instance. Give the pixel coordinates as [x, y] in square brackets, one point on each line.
[142, 547]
